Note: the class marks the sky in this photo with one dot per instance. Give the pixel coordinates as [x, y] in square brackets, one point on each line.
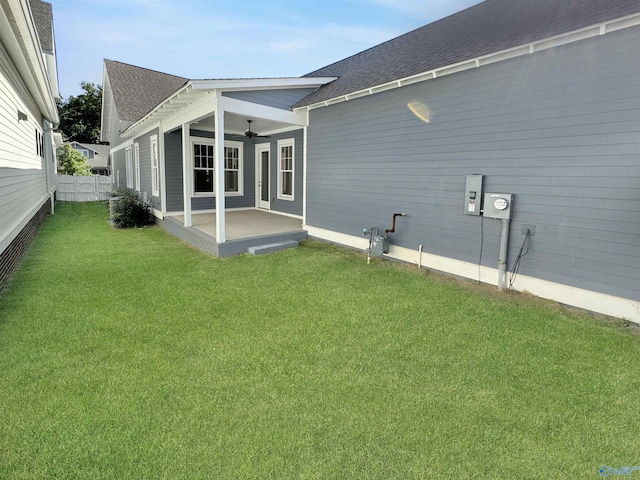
[205, 39]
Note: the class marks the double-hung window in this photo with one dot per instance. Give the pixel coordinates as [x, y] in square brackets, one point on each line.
[204, 167]
[155, 166]
[232, 167]
[203, 158]
[129, 166]
[286, 168]
[136, 165]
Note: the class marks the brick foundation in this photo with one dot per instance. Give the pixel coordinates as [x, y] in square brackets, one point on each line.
[11, 257]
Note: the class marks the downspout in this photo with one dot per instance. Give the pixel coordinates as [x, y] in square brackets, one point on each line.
[502, 259]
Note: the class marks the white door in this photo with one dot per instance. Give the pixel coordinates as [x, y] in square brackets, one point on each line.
[262, 175]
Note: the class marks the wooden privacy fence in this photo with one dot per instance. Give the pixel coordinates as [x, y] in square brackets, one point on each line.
[83, 189]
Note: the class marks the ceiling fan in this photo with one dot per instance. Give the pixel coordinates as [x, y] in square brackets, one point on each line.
[251, 134]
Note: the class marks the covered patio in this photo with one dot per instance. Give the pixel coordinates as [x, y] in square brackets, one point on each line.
[246, 229]
[215, 179]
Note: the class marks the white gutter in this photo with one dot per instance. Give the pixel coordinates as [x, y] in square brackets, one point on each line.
[230, 86]
[19, 35]
[550, 42]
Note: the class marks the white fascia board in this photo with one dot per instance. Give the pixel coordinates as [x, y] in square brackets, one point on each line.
[526, 49]
[19, 36]
[233, 85]
[107, 107]
[174, 103]
[252, 109]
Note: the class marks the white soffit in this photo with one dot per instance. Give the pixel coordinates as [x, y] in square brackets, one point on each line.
[198, 89]
[569, 37]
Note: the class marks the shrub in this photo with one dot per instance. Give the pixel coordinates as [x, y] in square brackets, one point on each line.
[129, 210]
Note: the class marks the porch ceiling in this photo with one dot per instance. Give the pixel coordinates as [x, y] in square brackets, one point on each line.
[237, 124]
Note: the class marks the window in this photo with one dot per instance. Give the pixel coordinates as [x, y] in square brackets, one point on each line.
[155, 167]
[83, 152]
[127, 154]
[136, 165]
[285, 169]
[203, 178]
[232, 172]
[39, 144]
[203, 167]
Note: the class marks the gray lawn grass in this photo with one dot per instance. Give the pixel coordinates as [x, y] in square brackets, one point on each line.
[127, 354]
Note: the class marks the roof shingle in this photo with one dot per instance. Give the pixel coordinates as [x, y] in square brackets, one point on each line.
[136, 90]
[43, 18]
[486, 28]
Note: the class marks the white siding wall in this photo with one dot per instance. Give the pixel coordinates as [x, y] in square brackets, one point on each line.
[23, 175]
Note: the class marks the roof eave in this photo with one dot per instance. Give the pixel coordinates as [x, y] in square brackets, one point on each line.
[21, 39]
[230, 85]
[525, 49]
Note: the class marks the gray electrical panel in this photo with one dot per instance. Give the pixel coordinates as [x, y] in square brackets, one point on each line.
[498, 205]
[473, 195]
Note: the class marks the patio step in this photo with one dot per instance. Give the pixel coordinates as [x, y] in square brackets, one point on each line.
[272, 247]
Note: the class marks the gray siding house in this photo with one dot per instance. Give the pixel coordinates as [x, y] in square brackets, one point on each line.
[28, 87]
[97, 157]
[536, 104]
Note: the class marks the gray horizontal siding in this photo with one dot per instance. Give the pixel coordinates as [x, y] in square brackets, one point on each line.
[283, 99]
[174, 178]
[119, 168]
[145, 167]
[173, 171]
[293, 207]
[558, 129]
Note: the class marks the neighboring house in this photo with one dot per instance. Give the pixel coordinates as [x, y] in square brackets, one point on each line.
[540, 98]
[97, 157]
[28, 87]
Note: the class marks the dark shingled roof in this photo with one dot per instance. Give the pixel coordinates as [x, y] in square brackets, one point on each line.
[43, 18]
[488, 27]
[136, 90]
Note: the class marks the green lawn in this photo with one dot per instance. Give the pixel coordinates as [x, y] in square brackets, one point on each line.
[126, 354]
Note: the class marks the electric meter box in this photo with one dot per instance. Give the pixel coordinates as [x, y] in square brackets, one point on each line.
[379, 245]
[498, 205]
[473, 195]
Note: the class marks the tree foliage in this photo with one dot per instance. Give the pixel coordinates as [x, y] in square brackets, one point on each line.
[80, 116]
[72, 162]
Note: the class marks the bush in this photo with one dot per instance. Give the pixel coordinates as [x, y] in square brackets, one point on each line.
[72, 162]
[129, 209]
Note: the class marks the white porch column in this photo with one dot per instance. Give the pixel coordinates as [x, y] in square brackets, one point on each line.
[161, 170]
[221, 235]
[186, 172]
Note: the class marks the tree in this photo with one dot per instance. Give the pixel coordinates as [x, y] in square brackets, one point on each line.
[72, 162]
[80, 116]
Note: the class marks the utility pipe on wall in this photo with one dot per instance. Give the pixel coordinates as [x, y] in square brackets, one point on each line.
[502, 259]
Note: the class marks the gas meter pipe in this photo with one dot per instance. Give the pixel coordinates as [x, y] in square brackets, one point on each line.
[393, 225]
[502, 259]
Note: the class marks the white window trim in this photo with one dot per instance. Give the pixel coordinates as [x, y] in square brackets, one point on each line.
[227, 143]
[136, 165]
[240, 147]
[155, 169]
[286, 143]
[129, 167]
